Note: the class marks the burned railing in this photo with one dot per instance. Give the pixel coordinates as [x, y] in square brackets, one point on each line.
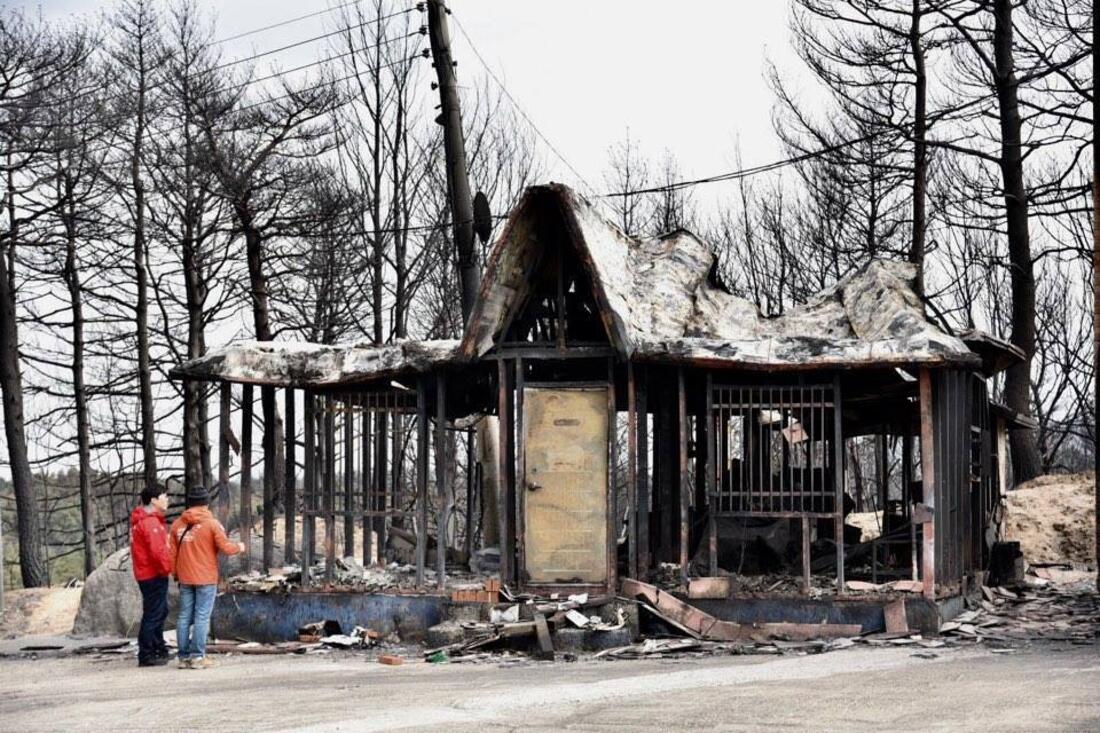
[778, 452]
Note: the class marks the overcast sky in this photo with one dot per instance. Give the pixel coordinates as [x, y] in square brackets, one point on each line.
[687, 76]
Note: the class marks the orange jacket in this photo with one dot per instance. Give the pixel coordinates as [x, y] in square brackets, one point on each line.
[196, 537]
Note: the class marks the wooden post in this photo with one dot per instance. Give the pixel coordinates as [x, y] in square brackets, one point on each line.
[711, 476]
[520, 484]
[504, 478]
[267, 401]
[471, 498]
[643, 478]
[805, 555]
[329, 492]
[309, 486]
[291, 490]
[928, 483]
[442, 482]
[632, 468]
[246, 473]
[685, 491]
[225, 427]
[349, 476]
[421, 479]
[907, 490]
[838, 479]
[612, 483]
[364, 479]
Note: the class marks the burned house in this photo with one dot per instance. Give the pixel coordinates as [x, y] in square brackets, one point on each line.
[632, 414]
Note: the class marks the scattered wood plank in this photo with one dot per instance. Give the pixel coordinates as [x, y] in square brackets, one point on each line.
[546, 646]
[896, 619]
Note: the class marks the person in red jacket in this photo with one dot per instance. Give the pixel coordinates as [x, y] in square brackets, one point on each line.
[152, 562]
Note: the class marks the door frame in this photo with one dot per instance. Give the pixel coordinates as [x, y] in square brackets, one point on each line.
[519, 485]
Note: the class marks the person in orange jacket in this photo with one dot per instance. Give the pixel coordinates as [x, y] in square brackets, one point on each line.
[196, 539]
[152, 564]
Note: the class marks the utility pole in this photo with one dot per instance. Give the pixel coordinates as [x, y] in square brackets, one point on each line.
[458, 182]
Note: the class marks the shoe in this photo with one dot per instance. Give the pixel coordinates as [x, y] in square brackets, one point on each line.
[154, 662]
[202, 663]
[183, 664]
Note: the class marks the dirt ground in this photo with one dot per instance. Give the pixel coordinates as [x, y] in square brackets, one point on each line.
[1035, 689]
[1052, 518]
[34, 611]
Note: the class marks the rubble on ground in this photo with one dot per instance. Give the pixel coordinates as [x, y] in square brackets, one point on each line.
[349, 574]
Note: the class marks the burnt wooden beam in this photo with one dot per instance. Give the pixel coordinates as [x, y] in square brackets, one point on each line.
[225, 427]
[290, 491]
[928, 485]
[267, 402]
[685, 489]
[349, 476]
[838, 480]
[365, 478]
[521, 474]
[329, 492]
[246, 473]
[710, 482]
[471, 499]
[643, 490]
[504, 483]
[612, 484]
[907, 494]
[309, 485]
[442, 480]
[422, 447]
[632, 471]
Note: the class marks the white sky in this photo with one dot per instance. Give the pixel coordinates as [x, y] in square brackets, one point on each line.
[687, 76]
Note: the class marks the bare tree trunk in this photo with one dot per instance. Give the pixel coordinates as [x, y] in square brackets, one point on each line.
[141, 307]
[31, 567]
[920, 164]
[1026, 462]
[71, 274]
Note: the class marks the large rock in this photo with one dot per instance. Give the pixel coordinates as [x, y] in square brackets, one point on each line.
[110, 603]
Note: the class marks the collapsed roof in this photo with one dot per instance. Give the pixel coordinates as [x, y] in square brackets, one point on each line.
[659, 299]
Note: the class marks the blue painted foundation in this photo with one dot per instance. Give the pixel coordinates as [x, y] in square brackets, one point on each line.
[922, 614]
[273, 617]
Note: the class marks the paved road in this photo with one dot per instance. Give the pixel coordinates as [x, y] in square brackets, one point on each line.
[1036, 689]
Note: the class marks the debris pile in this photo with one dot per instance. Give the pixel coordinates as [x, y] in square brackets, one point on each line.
[348, 574]
[543, 627]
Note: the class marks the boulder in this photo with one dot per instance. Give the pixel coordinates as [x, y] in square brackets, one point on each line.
[110, 603]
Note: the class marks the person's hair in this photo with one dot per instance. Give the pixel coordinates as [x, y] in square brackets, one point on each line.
[151, 492]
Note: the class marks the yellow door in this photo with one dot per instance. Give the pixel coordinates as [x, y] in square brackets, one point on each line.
[565, 446]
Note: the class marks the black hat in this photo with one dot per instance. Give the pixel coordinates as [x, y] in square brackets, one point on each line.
[197, 496]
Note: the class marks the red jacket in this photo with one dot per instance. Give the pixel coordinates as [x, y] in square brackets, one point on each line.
[149, 552]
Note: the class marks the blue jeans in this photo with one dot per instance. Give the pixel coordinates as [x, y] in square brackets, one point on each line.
[193, 624]
[154, 609]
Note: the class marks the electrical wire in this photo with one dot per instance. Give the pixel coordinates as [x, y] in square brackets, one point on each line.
[286, 22]
[744, 172]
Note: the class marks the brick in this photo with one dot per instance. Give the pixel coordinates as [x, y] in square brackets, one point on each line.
[391, 660]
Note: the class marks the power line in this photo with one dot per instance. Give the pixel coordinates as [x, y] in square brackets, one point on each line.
[745, 172]
[280, 24]
[304, 41]
[516, 104]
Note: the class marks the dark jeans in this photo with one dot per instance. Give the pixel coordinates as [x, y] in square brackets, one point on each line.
[154, 609]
